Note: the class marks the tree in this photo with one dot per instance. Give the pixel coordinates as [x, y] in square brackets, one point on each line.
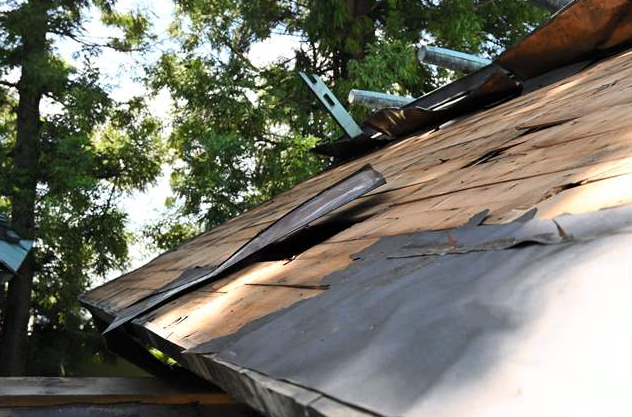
[63, 170]
[242, 132]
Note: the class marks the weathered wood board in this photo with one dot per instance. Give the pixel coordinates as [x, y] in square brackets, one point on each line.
[47, 391]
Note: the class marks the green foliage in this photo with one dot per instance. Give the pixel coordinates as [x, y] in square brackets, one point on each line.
[242, 132]
[169, 232]
[90, 152]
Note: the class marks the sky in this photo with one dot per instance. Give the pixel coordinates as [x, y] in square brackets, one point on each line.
[123, 73]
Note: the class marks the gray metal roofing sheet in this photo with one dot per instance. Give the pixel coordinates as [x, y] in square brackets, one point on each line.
[437, 334]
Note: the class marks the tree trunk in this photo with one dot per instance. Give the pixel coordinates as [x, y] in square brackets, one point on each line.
[358, 9]
[25, 158]
[3, 295]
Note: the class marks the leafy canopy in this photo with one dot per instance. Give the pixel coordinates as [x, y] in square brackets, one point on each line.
[242, 130]
[89, 149]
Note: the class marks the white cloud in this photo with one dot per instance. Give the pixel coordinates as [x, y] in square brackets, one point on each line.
[274, 48]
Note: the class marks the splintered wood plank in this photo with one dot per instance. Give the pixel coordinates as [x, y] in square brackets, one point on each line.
[505, 200]
[43, 391]
[593, 196]
[256, 291]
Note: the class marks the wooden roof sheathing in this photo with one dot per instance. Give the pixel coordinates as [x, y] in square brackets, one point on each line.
[565, 148]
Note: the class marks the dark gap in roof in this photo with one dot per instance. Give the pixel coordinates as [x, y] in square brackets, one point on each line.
[524, 244]
[605, 87]
[489, 156]
[303, 240]
[556, 190]
[536, 127]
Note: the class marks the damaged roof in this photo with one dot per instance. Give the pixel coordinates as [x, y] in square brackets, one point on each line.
[476, 264]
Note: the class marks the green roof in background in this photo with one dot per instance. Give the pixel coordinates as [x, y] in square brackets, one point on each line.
[13, 250]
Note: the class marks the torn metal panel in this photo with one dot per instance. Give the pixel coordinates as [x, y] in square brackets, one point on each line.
[418, 335]
[472, 238]
[339, 194]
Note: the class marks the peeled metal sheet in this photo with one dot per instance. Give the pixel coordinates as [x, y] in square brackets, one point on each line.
[474, 237]
[514, 329]
[339, 194]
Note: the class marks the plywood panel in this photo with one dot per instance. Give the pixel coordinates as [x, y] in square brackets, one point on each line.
[261, 289]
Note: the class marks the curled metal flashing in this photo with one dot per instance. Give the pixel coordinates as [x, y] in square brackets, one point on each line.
[585, 30]
[328, 200]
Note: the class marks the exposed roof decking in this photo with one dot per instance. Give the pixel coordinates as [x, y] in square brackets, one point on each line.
[428, 168]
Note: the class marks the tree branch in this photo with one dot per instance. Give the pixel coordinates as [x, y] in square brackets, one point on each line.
[8, 84]
[95, 44]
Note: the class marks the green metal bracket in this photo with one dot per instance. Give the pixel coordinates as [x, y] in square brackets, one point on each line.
[331, 103]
